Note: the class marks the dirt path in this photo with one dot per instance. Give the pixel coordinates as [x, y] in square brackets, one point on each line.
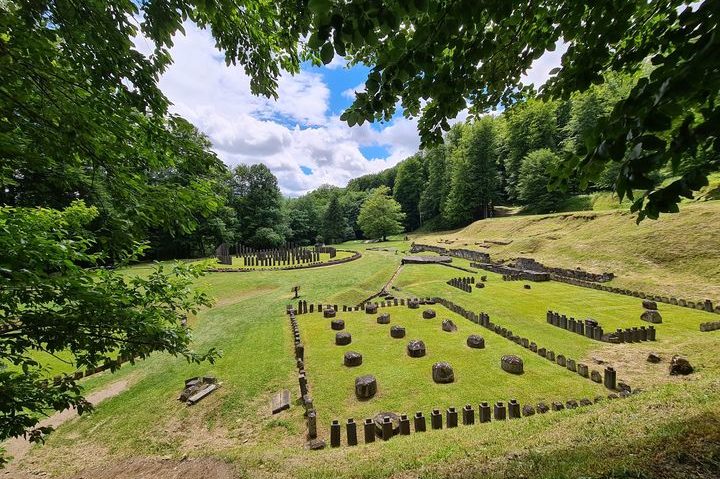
[18, 447]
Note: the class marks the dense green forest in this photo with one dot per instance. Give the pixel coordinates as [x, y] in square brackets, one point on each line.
[506, 159]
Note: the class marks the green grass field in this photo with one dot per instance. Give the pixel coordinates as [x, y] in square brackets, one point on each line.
[405, 384]
[677, 255]
[651, 434]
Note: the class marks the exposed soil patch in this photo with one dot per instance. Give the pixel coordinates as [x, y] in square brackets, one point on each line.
[18, 447]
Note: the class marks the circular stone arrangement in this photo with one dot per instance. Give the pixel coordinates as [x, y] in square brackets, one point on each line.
[342, 339]
[329, 313]
[352, 359]
[449, 326]
[416, 348]
[442, 373]
[475, 341]
[383, 319]
[365, 386]
[337, 324]
[511, 364]
[397, 332]
[371, 308]
[429, 314]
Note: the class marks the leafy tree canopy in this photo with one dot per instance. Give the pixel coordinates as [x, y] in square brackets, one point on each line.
[474, 175]
[51, 301]
[381, 215]
[436, 57]
[533, 184]
[256, 199]
[409, 183]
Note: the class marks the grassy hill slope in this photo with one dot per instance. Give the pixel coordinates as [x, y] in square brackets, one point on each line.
[676, 255]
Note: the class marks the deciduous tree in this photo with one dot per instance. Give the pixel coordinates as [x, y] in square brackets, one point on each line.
[474, 174]
[51, 300]
[410, 181]
[381, 215]
[534, 180]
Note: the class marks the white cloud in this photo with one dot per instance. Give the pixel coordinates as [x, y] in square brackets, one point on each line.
[350, 92]
[539, 71]
[298, 128]
[337, 63]
[295, 130]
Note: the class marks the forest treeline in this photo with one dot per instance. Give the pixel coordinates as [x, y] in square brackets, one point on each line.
[503, 159]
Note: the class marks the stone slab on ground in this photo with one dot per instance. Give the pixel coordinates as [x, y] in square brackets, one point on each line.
[426, 259]
[280, 401]
[202, 394]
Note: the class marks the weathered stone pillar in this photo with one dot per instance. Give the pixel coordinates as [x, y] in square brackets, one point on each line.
[436, 419]
[387, 428]
[335, 433]
[404, 425]
[514, 409]
[468, 415]
[500, 411]
[312, 424]
[302, 380]
[351, 432]
[419, 422]
[610, 378]
[570, 364]
[451, 417]
[597, 333]
[369, 430]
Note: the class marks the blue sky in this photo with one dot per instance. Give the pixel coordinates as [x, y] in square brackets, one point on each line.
[300, 136]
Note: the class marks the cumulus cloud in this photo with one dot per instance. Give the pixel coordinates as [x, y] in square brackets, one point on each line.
[337, 63]
[297, 129]
[350, 92]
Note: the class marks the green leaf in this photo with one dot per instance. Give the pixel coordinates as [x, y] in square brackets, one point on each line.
[327, 53]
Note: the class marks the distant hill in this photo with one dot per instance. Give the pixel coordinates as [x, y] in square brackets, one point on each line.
[679, 254]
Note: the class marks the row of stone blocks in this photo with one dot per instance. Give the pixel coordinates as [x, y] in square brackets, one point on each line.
[251, 260]
[512, 274]
[310, 412]
[468, 254]
[464, 284]
[112, 365]
[283, 253]
[592, 330]
[483, 319]
[329, 310]
[307, 265]
[705, 305]
[486, 413]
